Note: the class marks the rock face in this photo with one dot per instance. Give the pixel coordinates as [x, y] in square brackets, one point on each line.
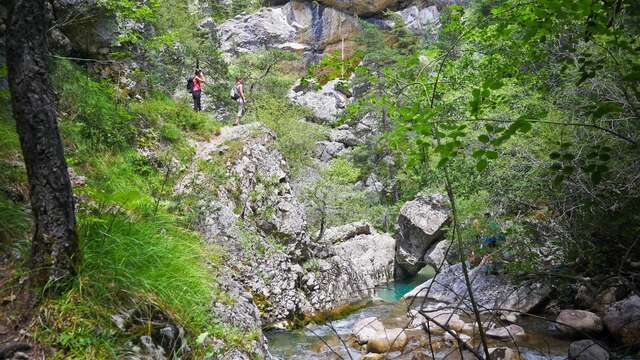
[357, 260]
[623, 320]
[493, 293]
[361, 7]
[421, 20]
[327, 150]
[587, 350]
[297, 25]
[345, 135]
[420, 225]
[253, 214]
[87, 25]
[436, 255]
[579, 321]
[326, 104]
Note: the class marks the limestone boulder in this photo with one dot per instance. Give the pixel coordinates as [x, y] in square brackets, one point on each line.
[345, 135]
[326, 103]
[494, 293]
[622, 319]
[371, 256]
[445, 317]
[512, 331]
[587, 350]
[421, 224]
[327, 150]
[421, 20]
[436, 255]
[367, 328]
[349, 231]
[578, 321]
[387, 340]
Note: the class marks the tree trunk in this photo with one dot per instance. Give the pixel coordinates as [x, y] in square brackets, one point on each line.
[54, 249]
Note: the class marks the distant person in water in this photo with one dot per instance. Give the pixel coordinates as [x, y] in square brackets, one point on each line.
[198, 81]
[238, 96]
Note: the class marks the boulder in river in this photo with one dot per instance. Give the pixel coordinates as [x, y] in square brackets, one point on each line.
[512, 331]
[587, 350]
[494, 293]
[578, 321]
[444, 317]
[623, 320]
[365, 329]
[436, 256]
[420, 223]
[387, 340]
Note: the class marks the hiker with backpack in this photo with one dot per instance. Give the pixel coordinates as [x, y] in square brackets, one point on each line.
[194, 86]
[237, 94]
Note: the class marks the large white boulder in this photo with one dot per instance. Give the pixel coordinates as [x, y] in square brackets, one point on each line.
[512, 331]
[326, 103]
[578, 321]
[421, 222]
[367, 328]
[422, 21]
[494, 293]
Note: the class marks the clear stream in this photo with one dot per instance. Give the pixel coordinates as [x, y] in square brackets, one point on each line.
[541, 341]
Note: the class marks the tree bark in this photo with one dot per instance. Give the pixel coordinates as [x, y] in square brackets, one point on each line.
[55, 247]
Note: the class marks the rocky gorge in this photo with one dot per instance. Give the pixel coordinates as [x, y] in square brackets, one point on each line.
[320, 294]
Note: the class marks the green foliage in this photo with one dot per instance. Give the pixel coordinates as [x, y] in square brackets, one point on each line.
[14, 223]
[333, 66]
[240, 6]
[268, 104]
[163, 110]
[131, 10]
[93, 109]
[511, 99]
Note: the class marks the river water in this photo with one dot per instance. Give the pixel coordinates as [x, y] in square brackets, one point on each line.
[320, 341]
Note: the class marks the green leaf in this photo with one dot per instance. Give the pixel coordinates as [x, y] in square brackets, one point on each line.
[483, 138]
[596, 177]
[491, 155]
[478, 153]
[482, 164]
[606, 108]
